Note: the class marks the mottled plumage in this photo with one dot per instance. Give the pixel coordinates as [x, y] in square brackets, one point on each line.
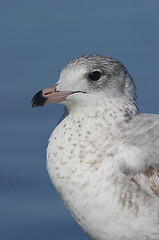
[103, 157]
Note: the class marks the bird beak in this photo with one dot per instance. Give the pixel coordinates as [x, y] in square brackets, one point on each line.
[49, 95]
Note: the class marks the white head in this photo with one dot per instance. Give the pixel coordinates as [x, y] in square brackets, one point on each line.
[88, 79]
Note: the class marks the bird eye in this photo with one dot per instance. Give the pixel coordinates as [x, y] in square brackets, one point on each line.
[95, 75]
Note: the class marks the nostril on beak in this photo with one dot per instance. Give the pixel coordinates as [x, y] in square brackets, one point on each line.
[47, 93]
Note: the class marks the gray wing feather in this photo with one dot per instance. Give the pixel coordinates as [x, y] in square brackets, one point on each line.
[141, 143]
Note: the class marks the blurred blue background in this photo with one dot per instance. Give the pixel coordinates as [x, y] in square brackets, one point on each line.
[37, 38]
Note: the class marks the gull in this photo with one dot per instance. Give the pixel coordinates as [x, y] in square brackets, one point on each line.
[103, 157]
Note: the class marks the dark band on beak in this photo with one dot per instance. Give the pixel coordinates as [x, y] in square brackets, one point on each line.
[38, 100]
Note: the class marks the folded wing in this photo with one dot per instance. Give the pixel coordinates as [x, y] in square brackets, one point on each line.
[139, 152]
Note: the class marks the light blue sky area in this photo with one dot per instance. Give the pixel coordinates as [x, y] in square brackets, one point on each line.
[37, 39]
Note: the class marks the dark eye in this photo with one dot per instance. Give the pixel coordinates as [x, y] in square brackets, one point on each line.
[95, 75]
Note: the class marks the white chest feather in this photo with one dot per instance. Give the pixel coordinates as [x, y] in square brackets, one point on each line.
[81, 163]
